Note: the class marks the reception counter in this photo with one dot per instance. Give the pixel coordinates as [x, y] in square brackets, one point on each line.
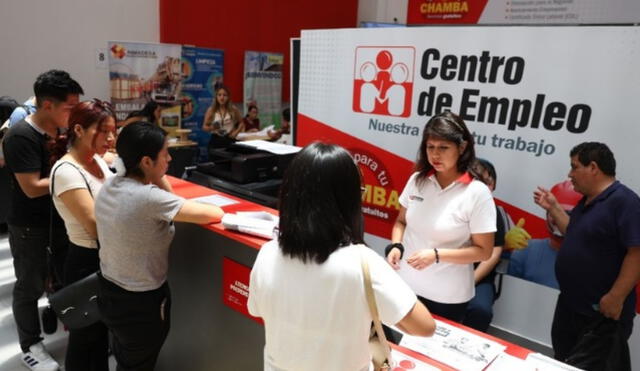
[209, 277]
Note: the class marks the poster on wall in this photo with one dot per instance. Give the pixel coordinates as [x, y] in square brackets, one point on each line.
[144, 72]
[523, 12]
[263, 85]
[528, 96]
[202, 73]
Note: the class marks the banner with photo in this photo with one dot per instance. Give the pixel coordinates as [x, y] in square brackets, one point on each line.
[202, 72]
[263, 85]
[523, 12]
[143, 72]
[528, 95]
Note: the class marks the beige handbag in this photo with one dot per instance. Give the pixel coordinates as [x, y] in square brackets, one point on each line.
[380, 351]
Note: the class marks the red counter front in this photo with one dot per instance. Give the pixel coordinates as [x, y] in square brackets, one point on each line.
[208, 275]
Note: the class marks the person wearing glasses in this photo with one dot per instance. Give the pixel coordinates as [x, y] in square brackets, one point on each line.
[77, 176]
[446, 222]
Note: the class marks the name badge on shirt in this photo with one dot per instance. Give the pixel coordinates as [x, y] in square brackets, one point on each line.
[416, 198]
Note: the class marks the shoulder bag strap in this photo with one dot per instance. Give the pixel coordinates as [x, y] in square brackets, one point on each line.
[79, 171]
[373, 307]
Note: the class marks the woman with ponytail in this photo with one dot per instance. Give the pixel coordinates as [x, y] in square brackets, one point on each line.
[76, 178]
[135, 211]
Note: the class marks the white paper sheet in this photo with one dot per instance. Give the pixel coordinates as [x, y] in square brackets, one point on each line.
[276, 148]
[455, 347]
[264, 133]
[217, 200]
[543, 363]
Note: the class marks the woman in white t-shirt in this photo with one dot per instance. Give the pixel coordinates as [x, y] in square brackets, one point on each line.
[308, 285]
[446, 222]
[76, 178]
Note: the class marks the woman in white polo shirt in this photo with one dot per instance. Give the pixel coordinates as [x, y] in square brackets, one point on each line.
[446, 222]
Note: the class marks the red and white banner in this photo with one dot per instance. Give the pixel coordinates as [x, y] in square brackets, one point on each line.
[528, 94]
[523, 12]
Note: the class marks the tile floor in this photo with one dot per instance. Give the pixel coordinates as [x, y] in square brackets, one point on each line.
[9, 346]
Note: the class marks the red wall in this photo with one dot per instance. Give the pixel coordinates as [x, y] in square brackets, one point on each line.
[239, 25]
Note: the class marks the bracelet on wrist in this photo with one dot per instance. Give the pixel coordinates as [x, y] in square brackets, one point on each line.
[391, 246]
[437, 255]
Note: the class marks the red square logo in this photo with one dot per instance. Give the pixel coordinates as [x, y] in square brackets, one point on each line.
[383, 80]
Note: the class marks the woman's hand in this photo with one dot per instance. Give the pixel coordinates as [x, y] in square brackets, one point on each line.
[422, 258]
[394, 258]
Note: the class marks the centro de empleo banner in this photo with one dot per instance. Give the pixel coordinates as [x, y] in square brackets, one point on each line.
[528, 95]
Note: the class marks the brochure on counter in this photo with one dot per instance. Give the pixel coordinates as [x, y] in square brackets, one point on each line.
[455, 347]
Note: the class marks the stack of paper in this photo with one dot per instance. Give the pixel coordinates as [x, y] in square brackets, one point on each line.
[264, 133]
[275, 148]
[257, 223]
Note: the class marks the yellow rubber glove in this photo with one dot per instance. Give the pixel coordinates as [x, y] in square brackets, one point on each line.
[517, 237]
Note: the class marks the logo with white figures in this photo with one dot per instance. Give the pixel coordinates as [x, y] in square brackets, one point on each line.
[383, 80]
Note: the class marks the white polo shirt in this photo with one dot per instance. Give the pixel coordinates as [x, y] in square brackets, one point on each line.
[444, 219]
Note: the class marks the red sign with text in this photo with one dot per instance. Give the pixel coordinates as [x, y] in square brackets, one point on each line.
[445, 11]
[235, 287]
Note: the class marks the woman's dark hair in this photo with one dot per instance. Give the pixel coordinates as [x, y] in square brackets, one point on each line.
[320, 203]
[84, 114]
[249, 108]
[450, 127]
[137, 140]
[491, 170]
[147, 112]
[286, 114]
[7, 105]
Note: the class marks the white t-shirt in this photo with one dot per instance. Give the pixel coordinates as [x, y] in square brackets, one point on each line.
[316, 315]
[68, 178]
[444, 219]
